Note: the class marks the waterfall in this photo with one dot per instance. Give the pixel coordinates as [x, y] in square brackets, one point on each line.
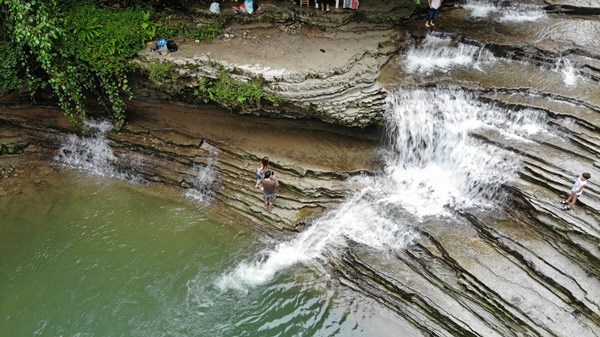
[522, 13]
[433, 167]
[568, 72]
[441, 54]
[513, 12]
[480, 9]
[206, 175]
[91, 153]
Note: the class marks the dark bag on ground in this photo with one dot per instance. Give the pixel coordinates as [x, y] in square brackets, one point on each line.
[171, 46]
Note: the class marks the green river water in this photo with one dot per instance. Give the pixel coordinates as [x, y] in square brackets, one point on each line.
[86, 256]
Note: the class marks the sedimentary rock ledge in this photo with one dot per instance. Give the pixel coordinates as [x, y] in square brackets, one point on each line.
[171, 144]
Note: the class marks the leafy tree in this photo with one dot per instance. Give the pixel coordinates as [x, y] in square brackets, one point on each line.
[75, 51]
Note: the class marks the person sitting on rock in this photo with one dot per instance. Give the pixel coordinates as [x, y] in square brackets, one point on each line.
[247, 7]
[576, 191]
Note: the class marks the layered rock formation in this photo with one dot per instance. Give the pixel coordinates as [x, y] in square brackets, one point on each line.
[532, 268]
[324, 73]
[175, 145]
[526, 268]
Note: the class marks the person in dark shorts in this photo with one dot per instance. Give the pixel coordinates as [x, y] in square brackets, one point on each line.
[269, 184]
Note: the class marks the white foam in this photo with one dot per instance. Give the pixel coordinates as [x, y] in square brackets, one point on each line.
[480, 9]
[433, 166]
[206, 176]
[513, 12]
[91, 153]
[438, 54]
[568, 72]
[361, 219]
[522, 13]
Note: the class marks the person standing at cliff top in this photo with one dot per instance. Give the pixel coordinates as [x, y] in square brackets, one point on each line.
[434, 10]
[269, 184]
[576, 191]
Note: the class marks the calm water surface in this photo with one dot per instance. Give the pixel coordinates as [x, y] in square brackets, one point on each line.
[85, 256]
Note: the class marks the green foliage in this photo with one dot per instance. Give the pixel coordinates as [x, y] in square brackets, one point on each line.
[9, 65]
[160, 70]
[75, 50]
[233, 93]
[111, 37]
[168, 29]
[208, 32]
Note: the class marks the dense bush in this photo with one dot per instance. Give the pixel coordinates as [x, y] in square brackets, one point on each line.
[9, 64]
[75, 50]
[158, 71]
[235, 94]
[169, 27]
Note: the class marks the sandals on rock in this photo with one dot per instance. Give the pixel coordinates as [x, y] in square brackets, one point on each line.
[563, 202]
[566, 208]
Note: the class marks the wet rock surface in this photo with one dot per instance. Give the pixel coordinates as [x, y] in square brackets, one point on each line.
[532, 268]
[525, 268]
[170, 144]
[586, 7]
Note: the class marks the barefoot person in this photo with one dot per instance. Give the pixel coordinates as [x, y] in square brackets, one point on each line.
[434, 10]
[269, 184]
[263, 165]
[576, 191]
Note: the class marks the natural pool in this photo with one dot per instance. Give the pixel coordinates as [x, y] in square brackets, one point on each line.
[89, 256]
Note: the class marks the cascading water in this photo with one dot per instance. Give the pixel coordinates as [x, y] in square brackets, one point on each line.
[433, 167]
[441, 54]
[205, 177]
[522, 13]
[568, 72]
[513, 12]
[480, 9]
[90, 153]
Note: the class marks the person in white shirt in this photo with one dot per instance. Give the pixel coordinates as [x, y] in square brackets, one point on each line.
[434, 10]
[576, 191]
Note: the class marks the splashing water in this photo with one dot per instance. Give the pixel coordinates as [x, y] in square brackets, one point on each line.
[480, 9]
[435, 162]
[569, 73]
[362, 219]
[442, 54]
[206, 175]
[91, 154]
[522, 13]
[433, 166]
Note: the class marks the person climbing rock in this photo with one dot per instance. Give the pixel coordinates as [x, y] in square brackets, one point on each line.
[576, 191]
[434, 10]
[269, 184]
[263, 165]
